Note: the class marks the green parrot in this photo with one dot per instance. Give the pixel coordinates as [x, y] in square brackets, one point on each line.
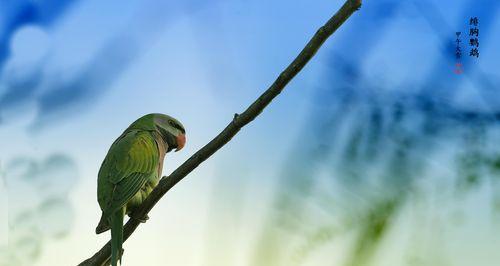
[131, 169]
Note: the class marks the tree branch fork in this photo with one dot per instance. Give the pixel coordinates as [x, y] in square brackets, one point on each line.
[101, 257]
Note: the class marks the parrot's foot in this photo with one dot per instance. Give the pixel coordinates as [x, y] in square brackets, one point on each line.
[140, 219]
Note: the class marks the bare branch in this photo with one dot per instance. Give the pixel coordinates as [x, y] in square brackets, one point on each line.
[239, 121]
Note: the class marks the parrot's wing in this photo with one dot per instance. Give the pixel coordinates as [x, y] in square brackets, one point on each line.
[131, 162]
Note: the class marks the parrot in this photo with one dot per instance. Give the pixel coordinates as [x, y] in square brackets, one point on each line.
[131, 170]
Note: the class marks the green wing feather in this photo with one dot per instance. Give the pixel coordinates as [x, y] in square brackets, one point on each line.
[132, 161]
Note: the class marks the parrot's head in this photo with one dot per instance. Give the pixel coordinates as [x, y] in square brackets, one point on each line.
[171, 130]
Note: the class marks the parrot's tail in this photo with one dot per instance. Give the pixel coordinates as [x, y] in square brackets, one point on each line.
[117, 236]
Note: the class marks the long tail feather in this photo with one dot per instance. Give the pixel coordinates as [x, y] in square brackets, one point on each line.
[117, 236]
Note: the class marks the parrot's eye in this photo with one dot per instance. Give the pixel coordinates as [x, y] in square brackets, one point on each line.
[177, 126]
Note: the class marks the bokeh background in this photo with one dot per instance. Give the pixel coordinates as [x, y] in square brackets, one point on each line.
[376, 154]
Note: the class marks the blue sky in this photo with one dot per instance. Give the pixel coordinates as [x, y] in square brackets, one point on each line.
[75, 74]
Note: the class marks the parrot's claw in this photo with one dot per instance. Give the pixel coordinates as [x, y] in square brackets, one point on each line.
[140, 219]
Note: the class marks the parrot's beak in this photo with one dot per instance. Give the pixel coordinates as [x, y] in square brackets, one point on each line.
[181, 141]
